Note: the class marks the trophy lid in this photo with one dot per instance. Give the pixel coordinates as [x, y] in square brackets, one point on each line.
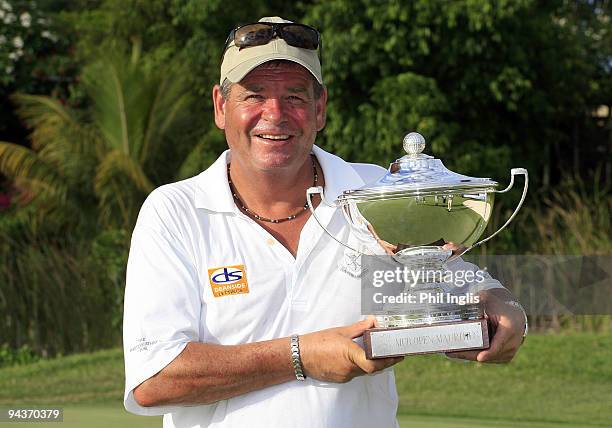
[417, 174]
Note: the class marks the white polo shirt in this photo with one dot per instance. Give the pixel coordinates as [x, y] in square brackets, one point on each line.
[200, 270]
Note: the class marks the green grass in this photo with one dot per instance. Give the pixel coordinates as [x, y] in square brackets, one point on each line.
[411, 421]
[78, 379]
[555, 381]
[103, 416]
[95, 416]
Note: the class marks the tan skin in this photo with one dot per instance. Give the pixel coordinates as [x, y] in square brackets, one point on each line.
[271, 178]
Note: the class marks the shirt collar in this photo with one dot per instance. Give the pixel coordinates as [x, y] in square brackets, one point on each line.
[212, 189]
[213, 192]
[339, 174]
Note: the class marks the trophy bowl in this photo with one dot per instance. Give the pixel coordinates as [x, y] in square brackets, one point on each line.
[419, 202]
[422, 215]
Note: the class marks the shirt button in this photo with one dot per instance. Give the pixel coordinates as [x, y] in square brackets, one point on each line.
[270, 241]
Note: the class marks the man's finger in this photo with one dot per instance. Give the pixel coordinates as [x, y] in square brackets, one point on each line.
[463, 355]
[498, 344]
[355, 330]
[374, 366]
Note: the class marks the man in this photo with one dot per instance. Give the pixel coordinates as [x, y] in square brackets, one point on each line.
[236, 312]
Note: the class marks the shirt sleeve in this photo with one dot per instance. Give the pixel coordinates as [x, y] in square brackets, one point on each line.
[162, 306]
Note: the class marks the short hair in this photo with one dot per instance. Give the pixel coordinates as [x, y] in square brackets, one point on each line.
[226, 86]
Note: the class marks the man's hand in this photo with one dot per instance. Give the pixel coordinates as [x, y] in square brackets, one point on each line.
[456, 248]
[331, 355]
[508, 323]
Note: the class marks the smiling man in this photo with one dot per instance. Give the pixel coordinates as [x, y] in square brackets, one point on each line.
[236, 311]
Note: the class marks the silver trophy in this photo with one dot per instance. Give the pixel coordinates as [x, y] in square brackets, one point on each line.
[417, 213]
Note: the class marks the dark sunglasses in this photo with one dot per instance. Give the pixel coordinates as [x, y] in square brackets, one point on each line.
[261, 33]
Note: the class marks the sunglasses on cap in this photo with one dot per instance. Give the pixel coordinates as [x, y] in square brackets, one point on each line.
[261, 33]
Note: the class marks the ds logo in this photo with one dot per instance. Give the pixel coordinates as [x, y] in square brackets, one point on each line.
[228, 280]
[225, 275]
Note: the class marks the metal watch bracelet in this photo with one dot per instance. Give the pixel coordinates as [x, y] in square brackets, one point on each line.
[296, 361]
[518, 305]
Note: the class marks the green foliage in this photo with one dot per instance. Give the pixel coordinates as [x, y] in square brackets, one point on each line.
[134, 116]
[21, 356]
[187, 33]
[204, 153]
[85, 168]
[506, 80]
[26, 33]
[491, 84]
[34, 58]
[55, 298]
[51, 172]
[397, 104]
[509, 81]
[572, 219]
[109, 257]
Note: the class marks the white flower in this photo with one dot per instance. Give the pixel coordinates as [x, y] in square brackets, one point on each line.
[9, 69]
[18, 42]
[13, 56]
[48, 35]
[2, 39]
[9, 18]
[26, 19]
[6, 5]
[2, 14]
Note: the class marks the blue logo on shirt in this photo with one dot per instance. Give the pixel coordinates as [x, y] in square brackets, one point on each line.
[226, 275]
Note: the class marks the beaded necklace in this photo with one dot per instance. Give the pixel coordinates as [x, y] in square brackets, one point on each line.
[256, 216]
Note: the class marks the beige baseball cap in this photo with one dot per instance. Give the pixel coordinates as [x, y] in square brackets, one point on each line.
[238, 62]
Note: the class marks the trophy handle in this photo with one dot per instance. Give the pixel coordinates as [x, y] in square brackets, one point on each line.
[513, 172]
[318, 190]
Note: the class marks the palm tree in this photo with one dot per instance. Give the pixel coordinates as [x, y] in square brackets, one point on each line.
[105, 157]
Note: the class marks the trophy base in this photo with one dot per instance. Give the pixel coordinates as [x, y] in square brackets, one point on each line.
[426, 339]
